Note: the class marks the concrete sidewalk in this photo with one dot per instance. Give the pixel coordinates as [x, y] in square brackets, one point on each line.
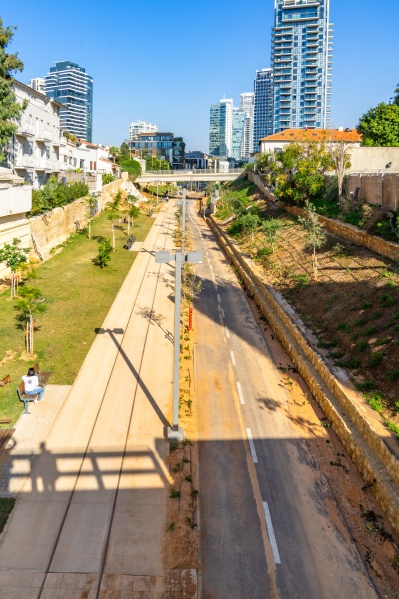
[92, 509]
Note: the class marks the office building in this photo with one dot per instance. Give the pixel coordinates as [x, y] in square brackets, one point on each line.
[247, 100]
[263, 106]
[302, 64]
[238, 133]
[220, 130]
[161, 145]
[141, 127]
[69, 84]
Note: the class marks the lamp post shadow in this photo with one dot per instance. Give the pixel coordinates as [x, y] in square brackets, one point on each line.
[143, 386]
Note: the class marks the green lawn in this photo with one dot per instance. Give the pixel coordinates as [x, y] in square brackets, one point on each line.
[78, 295]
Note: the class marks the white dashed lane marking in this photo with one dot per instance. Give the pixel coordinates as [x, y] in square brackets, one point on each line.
[252, 446]
[233, 358]
[223, 314]
[227, 333]
[270, 532]
[219, 299]
[240, 395]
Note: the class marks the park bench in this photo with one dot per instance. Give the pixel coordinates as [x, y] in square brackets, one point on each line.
[5, 435]
[130, 242]
[7, 379]
[25, 398]
[43, 376]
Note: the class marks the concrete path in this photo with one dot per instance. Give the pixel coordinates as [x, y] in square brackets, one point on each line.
[90, 517]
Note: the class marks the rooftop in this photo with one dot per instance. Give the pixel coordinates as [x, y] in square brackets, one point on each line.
[347, 135]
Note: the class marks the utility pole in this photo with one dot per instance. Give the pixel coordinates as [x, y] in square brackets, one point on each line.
[175, 433]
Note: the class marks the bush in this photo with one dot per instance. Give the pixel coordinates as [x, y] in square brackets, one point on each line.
[107, 178]
[55, 194]
[104, 253]
[132, 167]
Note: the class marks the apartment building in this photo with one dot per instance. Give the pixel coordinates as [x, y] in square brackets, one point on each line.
[263, 106]
[141, 127]
[69, 84]
[302, 40]
[221, 128]
[34, 150]
[247, 102]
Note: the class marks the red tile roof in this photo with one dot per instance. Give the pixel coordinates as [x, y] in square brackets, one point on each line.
[351, 136]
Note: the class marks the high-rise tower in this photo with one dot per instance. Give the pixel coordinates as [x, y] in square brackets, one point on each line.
[302, 39]
[247, 106]
[220, 130]
[69, 84]
[263, 106]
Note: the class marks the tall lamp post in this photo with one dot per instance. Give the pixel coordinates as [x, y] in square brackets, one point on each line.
[175, 433]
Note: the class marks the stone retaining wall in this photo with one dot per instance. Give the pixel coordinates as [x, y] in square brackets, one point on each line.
[372, 456]
[388, 249]
[53, 228]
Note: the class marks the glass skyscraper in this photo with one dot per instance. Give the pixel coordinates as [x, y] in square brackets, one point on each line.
[220, 129]
[69, 84]
[302, 64]
[263, 106]
[238, 133]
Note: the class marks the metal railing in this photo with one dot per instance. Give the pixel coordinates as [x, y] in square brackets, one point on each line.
[187, 172]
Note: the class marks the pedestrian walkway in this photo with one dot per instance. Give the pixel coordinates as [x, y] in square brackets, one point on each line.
[31, 430]
[90, 516]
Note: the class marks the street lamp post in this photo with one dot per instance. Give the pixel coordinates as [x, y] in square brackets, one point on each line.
[175, 433]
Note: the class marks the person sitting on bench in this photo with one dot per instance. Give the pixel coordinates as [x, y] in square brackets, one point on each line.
[31, 384]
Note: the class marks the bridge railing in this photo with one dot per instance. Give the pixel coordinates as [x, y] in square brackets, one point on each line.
[197, 171]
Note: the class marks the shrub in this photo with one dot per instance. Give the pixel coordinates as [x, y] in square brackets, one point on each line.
[375, 359]
[104, 253]
[386, 299]
[361, 321]
[362, 345]
[107, 178]
[365, 386]
[344, 327]
[55, 194]
[350, 363]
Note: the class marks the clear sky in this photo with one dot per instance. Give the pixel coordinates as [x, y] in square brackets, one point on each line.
[167, 61]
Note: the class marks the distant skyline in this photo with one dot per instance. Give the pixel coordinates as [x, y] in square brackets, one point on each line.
[169, 63]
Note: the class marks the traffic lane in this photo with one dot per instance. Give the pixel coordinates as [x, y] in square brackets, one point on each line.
[317, 549]
[232, 547]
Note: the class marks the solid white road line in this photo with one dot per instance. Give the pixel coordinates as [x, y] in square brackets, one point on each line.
[223, 314]
[252, 446]
[219, 300]
[240, 395]
[227, 333]
[233, 358]
[270, 532]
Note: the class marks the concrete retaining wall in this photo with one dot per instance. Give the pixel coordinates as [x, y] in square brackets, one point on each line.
[373, 458]
[377, 189]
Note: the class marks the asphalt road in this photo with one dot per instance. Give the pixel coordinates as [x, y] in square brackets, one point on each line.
[269, 524]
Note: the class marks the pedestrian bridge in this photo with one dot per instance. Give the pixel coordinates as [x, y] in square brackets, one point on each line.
[188, 175]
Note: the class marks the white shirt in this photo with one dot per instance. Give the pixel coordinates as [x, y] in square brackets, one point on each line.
[30, 382]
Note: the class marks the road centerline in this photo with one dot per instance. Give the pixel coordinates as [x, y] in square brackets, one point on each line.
[270, 532]
[252, 446]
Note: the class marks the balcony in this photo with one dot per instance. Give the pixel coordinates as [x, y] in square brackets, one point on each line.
[25, 130]
[59, 140]
[44, 135]
[24, 162]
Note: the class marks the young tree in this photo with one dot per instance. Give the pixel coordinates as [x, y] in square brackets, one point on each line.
[341, 160]
[315, 237]
[104, 253]
[271, 228]
[10, 109]
[249, 224]
[380, 126]
[396, 96]
[31, 302]
[14, 256]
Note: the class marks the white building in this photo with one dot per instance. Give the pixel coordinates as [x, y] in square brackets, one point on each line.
[34, 149]
[247, 104]
[15, 202]
[38, 84]
[141, 127]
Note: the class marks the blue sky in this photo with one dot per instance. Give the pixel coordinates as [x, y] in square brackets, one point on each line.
[167, 61]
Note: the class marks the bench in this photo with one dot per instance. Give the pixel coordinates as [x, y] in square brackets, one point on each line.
[5, 436]
[25, 398]
[41, 375]
[129, 242]
[7, 379]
